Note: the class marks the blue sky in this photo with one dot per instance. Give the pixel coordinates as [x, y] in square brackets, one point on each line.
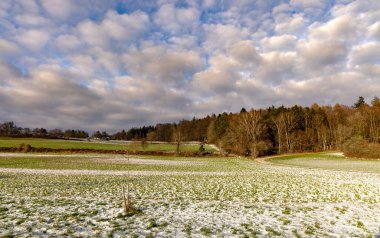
[110, 65]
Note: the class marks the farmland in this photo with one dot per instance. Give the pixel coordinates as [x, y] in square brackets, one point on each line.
[185, 197]
[98, 145]
[330, 161]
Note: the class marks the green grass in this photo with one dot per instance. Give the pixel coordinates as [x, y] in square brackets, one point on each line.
[101, 145]
[267, 200]
[328, 161]
[94, 162]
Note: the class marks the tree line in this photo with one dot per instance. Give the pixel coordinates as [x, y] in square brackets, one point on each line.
[9, 129]
[354, 129]
[274, 130]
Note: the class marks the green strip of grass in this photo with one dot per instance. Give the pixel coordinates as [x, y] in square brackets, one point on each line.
[96, 163]
[66, 144]
[329, 162]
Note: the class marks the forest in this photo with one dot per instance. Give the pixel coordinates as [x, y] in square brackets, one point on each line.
[275, 130]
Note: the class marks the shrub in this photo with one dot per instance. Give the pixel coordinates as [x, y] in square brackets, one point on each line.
[25, 148]
[360, 148]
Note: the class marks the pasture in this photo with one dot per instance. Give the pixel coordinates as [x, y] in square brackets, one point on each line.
[330, 161]
[80, 196]
[100, 145]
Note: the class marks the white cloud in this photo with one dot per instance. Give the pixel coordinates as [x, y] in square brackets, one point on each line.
[281, 9]
[92, 34]
[184, 41]
[67, 42]
[109, 61]
[213, 81]
[33, 39]
[7, 72]
[245, 52]
[114, 27]
[277, 67]
[305, 4]
[208, 3]
[123, 26]
[340, 28]
[167, 60]
[279, 43]
[315, 55]
[334, 88]
[4, 5]
[290, 25]
[220, 37]
[33, 20]
[170, 66]
[83, 65]
[174, 20]
[58, 8]
[310, 7]
[374, 30]
[225, 71]
[368, 53]
[27, 7]
[7, 47]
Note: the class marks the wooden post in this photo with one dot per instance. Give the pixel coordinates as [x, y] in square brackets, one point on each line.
[125, 205]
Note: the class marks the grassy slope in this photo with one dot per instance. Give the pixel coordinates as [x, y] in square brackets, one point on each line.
[328, 161]
[106, 163]
[65, 144]
[270, 201]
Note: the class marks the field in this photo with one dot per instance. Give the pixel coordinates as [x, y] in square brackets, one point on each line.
[98, 145]
[330, 161]
[80, 196]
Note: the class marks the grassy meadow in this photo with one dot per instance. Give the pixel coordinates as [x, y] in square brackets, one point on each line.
[40, 196]
[330, 161]
[99, 145]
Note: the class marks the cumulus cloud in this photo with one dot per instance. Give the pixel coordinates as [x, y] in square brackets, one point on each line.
[33, 39]
[31, 20]
[214, 81]
[279, 43]
[290, 24]
[173, 19]
[219, 37]
[374, 30]
[368, 53]
[7, 72]
[277, 66]
[341, 28]
[312, 7]
[58, 9]
[116, 64]
[208, 3]
[315, 55]
[282, 8]
[67, 42]
[245, 52]
[114, 28]
[7, 47]
[161, 64]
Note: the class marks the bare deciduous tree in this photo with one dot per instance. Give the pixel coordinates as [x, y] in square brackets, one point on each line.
[246, 132]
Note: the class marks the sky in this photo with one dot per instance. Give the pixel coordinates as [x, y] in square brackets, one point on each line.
[112, 65]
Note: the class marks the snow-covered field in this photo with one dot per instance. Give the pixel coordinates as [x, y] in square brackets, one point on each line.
[252, 200]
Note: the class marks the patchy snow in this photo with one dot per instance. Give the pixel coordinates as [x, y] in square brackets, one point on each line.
[104, 158]
[122, 160]
[336, 154]
[105, 172]
[266, 201]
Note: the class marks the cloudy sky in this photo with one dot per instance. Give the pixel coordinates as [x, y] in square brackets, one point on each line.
[109, 65]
